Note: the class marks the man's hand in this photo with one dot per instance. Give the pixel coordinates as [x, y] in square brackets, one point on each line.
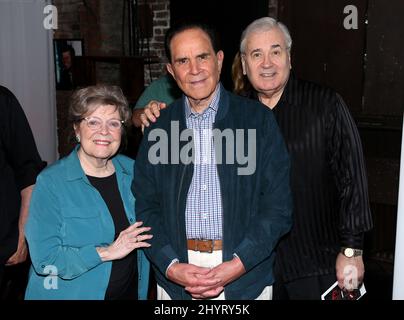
[21, 254]
[150, 113]
[136, 117]
[227, 272]
[189, 275]
[354, 271]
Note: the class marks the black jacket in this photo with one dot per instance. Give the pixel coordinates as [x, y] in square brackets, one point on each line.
[19, 165]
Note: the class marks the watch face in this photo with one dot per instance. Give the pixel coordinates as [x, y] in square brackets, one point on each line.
[348, 252]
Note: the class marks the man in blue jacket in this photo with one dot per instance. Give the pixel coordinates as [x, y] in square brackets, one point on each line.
[216, 214]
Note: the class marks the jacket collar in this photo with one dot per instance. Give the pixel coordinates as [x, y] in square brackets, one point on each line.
[178, 112]
[213, 105]
[223, 107]
[74, 170]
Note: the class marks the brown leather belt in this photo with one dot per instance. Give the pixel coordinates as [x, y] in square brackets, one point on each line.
[204, 245]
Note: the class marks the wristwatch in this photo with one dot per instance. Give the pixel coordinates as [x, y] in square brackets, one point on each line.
[351, 252]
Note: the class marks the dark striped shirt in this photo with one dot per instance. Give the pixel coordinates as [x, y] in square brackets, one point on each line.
[328, 180]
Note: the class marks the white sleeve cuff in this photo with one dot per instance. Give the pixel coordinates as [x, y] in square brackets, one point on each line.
[172, 262]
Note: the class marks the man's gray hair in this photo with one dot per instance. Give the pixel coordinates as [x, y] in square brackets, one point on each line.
[263, 25]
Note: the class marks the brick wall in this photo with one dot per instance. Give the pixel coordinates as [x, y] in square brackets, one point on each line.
[68, 18]
[99, 23]
[161, 22]
[75, 20]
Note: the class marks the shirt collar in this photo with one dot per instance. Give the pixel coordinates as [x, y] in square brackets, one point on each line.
[214, 104]
[75, 171]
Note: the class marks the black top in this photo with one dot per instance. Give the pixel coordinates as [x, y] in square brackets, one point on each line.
[123, 280]
[328, 180]
[20, 164]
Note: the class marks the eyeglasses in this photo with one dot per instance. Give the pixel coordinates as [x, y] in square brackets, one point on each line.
[95, 123]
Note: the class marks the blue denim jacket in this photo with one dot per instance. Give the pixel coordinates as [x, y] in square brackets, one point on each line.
[67, 220]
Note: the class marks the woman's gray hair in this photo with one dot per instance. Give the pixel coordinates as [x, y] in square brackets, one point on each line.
[86, 100]
[263, 25]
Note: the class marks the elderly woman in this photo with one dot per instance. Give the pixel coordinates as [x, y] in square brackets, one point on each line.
[82, 231]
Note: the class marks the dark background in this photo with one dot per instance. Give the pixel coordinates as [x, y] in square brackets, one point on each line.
[229, 20]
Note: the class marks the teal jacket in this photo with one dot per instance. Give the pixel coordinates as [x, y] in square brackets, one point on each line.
[67, 220]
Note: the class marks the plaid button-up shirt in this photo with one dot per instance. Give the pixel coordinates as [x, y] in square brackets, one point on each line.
[203, 213]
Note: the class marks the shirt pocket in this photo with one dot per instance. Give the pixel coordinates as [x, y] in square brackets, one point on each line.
[82, 226]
